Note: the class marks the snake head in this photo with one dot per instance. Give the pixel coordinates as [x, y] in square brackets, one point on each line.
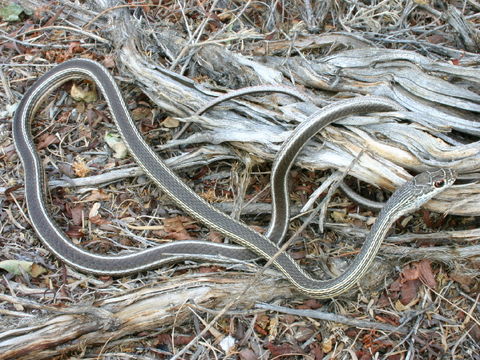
[430, 183]
[423, 187]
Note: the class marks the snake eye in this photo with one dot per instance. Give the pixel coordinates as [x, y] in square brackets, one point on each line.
[439, 183]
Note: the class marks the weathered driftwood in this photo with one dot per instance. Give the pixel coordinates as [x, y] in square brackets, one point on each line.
[416, 139]
[391, 147]
[65, 331]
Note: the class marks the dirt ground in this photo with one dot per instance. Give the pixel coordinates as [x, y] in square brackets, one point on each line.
[419, 301]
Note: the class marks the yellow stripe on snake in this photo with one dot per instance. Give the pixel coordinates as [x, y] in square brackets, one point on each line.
[407, 198]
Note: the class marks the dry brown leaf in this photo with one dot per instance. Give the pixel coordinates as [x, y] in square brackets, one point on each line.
[436, 39]
[474, 331]
[163, 339]
[97, 195]
[109, 62]
[409, 290]
[170, 122]
[396, 285]
[37, 270]
[209, 195]
[289, 319]
[81, 107]
[327, 345]
[303, 333]
[409, 274]
[183, 339]
[45, 140]
[425, 273]
[74, 47]
[298, 255]
[176, 227]
[215, 236]
[80, 168]
[75, 231]
[316, 351]
[76, 213]
[94, 210]
[98, 220]
[273, 327]
[395, 357]
[401, 307]
[116, 143]
[86, 94]
[462, 279]
[284, 349]
[141, 113]
[66, 169]
[210, 269]
[262, 323]
[338, 216]
[247, 354]
[313, 304]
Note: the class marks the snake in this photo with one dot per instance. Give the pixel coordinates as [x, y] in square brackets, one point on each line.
[273, 232]
[405, 199]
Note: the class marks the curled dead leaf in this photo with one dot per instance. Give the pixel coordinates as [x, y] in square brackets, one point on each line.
[170, 122]
[141, 113]
[327, 345]
[80, 168]
[247, 354]
[94, 210]
[425, 271]
[85, 94]
[45, 140]
[462, 279]
[75, 231]
[409, 274]
[176, 227]
[75, 213]
[98, 220]
[409, 292]
[284, 349]
[37, 270]
[97, 195]
[109, 62]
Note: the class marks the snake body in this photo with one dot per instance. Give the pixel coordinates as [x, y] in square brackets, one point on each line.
[407, 198]
[273, 232]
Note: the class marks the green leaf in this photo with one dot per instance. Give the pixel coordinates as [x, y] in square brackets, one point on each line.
[116, 143]
[17, 267]
[11, 12]
[14, 266]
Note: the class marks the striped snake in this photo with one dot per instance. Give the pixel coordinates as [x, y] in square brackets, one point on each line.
[407, 198]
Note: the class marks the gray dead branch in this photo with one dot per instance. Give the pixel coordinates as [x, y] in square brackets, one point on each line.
[64, 331]
[467, 34]
[439, 127]
[439, 99]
